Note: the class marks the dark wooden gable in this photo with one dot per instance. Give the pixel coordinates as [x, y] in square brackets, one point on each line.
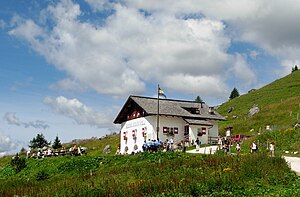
[130, 110]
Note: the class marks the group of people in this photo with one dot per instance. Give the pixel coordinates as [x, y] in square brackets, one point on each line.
[48, 152]
[156, 145]
[226, 145]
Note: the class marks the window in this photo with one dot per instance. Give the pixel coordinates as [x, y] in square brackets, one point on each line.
[165, 130]
[170, 130]
[203, 130]
[199, 132]
[175, 130]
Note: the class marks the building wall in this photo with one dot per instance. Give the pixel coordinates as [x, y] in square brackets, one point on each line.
[194, 134]
[171, 122]
[214, 131]
[136, 127]
[147, 125]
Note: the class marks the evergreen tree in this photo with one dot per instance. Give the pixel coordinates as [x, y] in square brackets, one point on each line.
[198, 99]
[38, 142]
[56, 144]
[294, 68]
[234, 93]
[18, 163]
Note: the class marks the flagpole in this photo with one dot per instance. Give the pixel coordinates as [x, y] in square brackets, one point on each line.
[157, 117]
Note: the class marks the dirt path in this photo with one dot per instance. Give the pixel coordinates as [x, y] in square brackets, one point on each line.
[205, 150]
[294, 163]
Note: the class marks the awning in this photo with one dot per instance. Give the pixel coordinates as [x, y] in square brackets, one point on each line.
[198, 122]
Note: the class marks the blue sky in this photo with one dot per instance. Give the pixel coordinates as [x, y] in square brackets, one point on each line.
[68, 66]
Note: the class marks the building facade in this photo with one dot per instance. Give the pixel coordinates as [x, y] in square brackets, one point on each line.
[182, 121]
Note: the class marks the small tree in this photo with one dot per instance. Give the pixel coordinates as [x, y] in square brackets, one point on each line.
[23, 150]
[294, 68]
[234, 93]
[198, 99]
[18, 163]
[38, 142]
[56, 144]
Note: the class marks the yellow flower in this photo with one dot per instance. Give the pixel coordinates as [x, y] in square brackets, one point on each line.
[227, 169]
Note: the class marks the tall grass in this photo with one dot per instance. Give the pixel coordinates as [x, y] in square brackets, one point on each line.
[156, 174]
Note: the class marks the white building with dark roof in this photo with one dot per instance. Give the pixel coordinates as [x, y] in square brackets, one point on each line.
[178, 119]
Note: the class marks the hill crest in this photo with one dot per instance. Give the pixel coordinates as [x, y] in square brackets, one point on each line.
[278, 103]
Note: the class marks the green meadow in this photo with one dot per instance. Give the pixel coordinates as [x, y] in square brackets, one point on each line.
[152, 174]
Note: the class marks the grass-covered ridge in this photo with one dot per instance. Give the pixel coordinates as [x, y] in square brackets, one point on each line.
[279, 103]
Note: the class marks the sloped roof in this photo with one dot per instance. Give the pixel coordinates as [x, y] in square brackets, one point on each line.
[168, 107]
[198, 122]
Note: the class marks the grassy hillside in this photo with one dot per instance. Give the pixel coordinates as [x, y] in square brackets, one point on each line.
[279, 104]
[95, 146]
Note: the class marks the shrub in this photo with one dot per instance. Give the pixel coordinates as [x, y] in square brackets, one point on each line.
[18, 163]
[42, 175]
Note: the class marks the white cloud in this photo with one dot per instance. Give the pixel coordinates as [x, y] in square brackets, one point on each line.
[99, 5]
[142, 41]
[204, 85]
[253, 54]
[270, 26]
[12, 119]
[67, 84]
[243, 71]
[288, 65]
[130, 49]
[27, 30]
[77, 111]
[6, 145]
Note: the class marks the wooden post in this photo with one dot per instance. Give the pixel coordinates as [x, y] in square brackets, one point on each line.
[291, 113]
[297, 116]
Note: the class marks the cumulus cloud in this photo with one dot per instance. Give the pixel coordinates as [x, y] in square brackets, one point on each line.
[100, 5]
[243, 71]
[197, 84]
[253, 54]
[131, 48]
[77, 111]
[270, 26]
[6, 145]
[12, 119]
[142, 41]
[68, 85]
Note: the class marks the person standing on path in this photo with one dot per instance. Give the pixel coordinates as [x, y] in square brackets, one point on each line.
[198, 144]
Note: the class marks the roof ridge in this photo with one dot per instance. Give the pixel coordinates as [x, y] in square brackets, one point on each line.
[167, 99]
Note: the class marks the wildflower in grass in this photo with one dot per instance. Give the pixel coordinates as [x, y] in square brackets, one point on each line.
[227, 169]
